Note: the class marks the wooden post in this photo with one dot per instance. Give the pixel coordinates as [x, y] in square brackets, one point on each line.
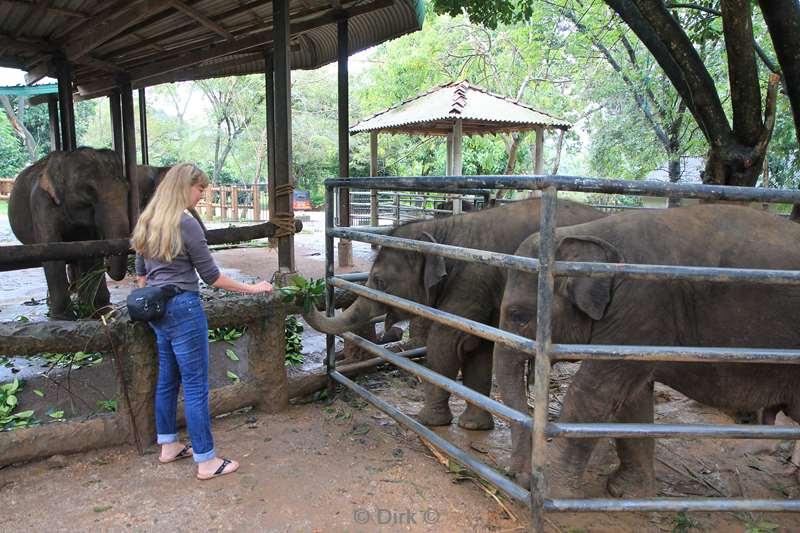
[458, 139]
[143, 126]
[345, 245]
[235, 202]
[55, 131]
[373, 172]
[210, 203]
[448, 164]
[114, 105]
[269, 81]
[129, 140]
[256, 203]
[396, 208]
[68, 137]
[538, 166]
[283, 128]
[223, 203]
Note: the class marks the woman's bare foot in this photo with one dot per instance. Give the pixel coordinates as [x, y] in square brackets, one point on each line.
[172, 451]
[216, 467]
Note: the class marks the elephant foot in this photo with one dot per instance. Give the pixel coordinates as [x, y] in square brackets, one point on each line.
[631, 483]
[476, 419]
[435, 417]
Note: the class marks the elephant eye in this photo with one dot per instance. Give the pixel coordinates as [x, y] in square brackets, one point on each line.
[518, 316]
[379, 284]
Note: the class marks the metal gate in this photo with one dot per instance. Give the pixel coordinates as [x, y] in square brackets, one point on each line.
[545, 352]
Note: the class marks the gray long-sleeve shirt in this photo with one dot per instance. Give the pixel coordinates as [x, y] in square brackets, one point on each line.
[181, 270]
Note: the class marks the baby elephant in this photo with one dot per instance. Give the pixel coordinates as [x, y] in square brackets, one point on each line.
[658, 313]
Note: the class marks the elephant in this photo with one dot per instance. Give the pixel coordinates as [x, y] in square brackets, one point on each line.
[72, 196]
[471, 290]
[616, 310]
[148, 178]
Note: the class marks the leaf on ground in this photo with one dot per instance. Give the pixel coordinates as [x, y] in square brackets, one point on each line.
[232, 376]
[231, 355]
[102, 508]
[56, 414]
[38, 393]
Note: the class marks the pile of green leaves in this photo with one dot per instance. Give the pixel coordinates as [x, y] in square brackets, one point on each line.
[305, 292]
[294, 341]
[226, 334]
[8, 402]
[75, 360]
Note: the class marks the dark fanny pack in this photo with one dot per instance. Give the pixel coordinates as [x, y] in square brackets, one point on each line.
[149, 303]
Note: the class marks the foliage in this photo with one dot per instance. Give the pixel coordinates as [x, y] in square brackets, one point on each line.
[8, 403]
[84, 291]
[293, 330]
[305, 292]
[73, 360]
[108, 405]
[13, 157]
[226, 333]
[684, 524]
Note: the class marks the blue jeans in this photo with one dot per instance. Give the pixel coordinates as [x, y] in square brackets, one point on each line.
[182, 338]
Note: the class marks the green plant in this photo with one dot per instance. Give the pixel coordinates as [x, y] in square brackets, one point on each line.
[293, 330]
[74, 359]
[305, 292]
[683, 523]
[227, 334]
[85, 289]
[761, 527]
[8, 402]
[108, 405]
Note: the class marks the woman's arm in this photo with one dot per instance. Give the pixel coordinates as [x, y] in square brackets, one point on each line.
[229, 284]
[141, 281]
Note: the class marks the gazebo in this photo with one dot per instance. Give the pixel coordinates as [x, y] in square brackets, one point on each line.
[109, 48]
[453, 110]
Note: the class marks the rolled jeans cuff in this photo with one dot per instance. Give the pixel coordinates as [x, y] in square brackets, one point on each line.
[166, 439]
[205, 456]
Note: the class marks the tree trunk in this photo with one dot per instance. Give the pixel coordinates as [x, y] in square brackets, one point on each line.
[674, 171]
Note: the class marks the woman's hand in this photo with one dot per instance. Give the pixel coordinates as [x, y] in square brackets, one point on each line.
[262, 286]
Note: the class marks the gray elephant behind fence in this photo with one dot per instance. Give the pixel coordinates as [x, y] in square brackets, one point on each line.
[471, 290]
[657, 313]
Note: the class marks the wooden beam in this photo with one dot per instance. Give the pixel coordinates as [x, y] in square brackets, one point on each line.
[50, 9]
[345, 245]
[33, 16]
[129, 142]
[52, 113]
[283, 128]
[106, 28]
[269, 87]
[201, 18]
[115, 103]
[66, 107]
[143, 126]
[25, 44]
[256, 40]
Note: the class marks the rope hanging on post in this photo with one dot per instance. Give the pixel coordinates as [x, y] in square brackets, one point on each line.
[284, 222]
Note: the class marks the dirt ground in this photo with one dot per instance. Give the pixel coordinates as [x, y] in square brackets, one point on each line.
[345, 467]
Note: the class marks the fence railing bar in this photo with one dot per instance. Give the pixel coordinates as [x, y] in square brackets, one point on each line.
[600, 352]
[672, 431]
[675, 505]
[508, 487]
[572, 183]
[462, 391]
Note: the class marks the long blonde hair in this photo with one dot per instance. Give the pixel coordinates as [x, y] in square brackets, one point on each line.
[158, 233]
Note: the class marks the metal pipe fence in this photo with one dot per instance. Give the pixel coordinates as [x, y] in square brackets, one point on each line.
[398, 207]
[545, 352]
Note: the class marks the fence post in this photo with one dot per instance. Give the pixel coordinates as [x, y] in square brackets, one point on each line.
[256, 203]
[140, 372]
[266, 336]
[397, 208]
[223, 203]
[235, 202]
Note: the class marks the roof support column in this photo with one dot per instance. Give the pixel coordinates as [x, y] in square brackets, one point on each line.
[116, 123]
[284, 181]
[538, 166]
[143, 126]
[68, 138]
[55, 131]
[374, 219]
[269, 82]
[448, 164]
[345, 248]
[458, 139]
[129, 142]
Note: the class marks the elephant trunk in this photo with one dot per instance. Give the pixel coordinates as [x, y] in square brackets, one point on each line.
[357, 315]
[116, 265]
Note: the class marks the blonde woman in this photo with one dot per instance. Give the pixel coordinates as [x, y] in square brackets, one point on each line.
[171, 250]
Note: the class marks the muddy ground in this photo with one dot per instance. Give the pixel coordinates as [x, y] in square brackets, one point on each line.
[343, 466]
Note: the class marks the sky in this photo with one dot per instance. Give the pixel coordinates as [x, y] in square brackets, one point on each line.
[12, 76]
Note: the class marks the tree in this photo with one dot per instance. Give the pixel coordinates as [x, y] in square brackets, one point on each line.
[737, 148]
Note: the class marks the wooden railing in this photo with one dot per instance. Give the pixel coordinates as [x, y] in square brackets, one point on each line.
[5, 188]
[235, 203]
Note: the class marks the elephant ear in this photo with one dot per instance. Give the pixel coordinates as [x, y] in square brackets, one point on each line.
[590, 295]
[434, 270]
[48, 182]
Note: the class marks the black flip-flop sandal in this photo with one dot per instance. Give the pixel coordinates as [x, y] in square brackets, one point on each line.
[183, 454]
[220, 471]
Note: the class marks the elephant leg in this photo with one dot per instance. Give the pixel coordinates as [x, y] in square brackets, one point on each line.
[477, 372]
[510, 372]
[635, 477]
[598, 390]
[58, 290]
[442, 358]
[93, 293]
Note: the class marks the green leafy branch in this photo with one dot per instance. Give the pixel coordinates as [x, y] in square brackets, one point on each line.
[305, 292]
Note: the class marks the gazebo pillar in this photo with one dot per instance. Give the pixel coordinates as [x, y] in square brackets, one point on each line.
[143, 126]
[538, 165]
[284, 180]
[65, 105]
[448, 165]
[345, 248]
[55, 131]
[269, 87]
[116, 123]
[129, 142]
[456, 168]
[374, 219]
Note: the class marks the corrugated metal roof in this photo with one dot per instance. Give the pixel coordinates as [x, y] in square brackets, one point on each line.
[434, 113]
[154, 42]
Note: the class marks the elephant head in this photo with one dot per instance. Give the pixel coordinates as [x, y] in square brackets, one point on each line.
[89, 191]
[577, 302]
[410, 275]
[148, 178]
